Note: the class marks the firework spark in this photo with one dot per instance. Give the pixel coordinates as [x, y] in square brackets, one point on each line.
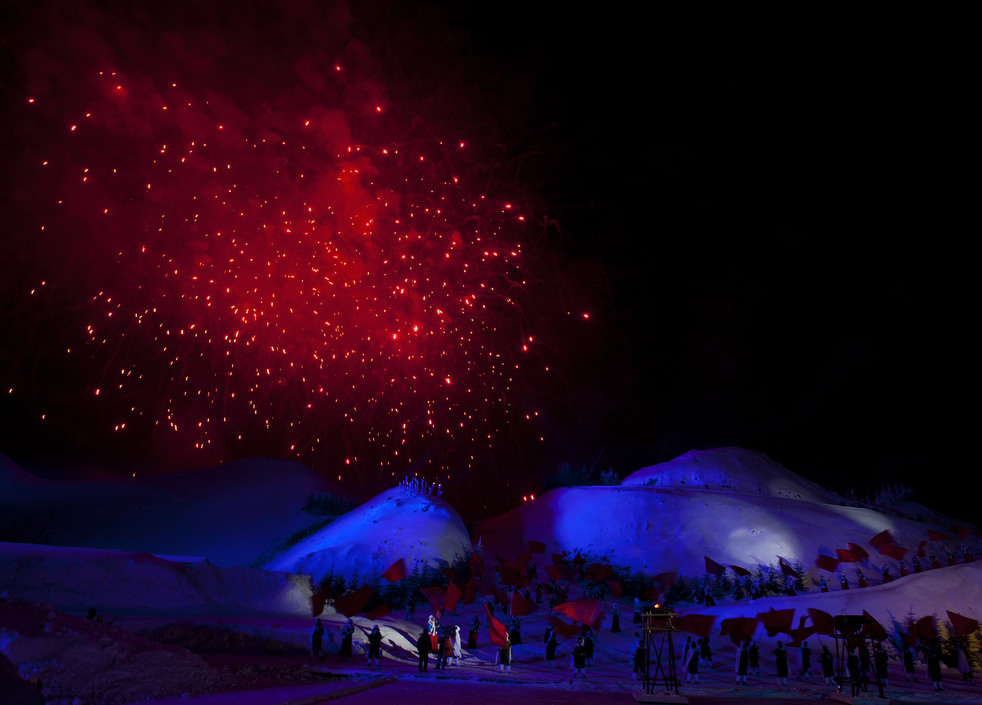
[271, 261]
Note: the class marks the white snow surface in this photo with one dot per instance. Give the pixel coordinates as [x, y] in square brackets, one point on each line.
[653, 529]
[367, 540]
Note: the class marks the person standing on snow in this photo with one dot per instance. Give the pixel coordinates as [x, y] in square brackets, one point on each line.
[551, 646]
[423, 649]
[742, 664]
[781, 663]
[806, 660]
[579, 658]
[828, 667]
[692, 668]
[504, 657]
[754, 651]
[317, 641]
[637, 656]
[374, 646]
[456, 645]
[347, 631]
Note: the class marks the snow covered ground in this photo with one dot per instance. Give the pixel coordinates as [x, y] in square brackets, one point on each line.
[183, 629]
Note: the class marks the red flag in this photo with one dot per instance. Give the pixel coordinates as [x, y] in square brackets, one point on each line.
[434, 595]
[452, 596]
[827, 563]
[654, 594]
[558, 571]
[499, 635]
[583, 611]
[786, 567]
[742, 572]
[960, 531]
[873, 628]
[799, 635]
[921, 549]
[962, 625]
[317, 602]
[511, 575]
[352, 603]
[521, 605]
[667, 579]
[698, 624]
[925, 628]
[821, 621]
[477, 566]
[563, 629]
[777, 621]
[537, 547]
[396, 571]
[380, 611]
[615, 588]
[858, 550]
[880, 540]
[739, 629]
[558, 557]
[937, 535]
[470, 592]
[894, 551]
[845, 556]
[713, 567]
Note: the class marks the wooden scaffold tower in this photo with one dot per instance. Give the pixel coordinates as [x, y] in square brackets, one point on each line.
[659, 680]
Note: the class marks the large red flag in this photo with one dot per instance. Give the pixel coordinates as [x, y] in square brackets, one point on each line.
[583, 611]
[537, 547]
[845, 556]
[396, 571]
[937, 535]
[881, 539]
[742, 572]
[452, 596]
[858, 550]
[615, 588]
[925, 628]
[317, 602]
[352, 603]
[894, 551]
[777, 621]
[786, 567]
[558, 571]
[713, 567]
[521, 605]
[470, 592]
[563, 629]
[822, 621]
[827, 563]
[698, 624]
[873, 628]
[960, 531]
[799, 635]
[739, 629]
[962, 625]
[434, 595]
[499, 635]
[667, 579]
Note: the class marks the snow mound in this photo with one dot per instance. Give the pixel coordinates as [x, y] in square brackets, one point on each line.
[231, 514]
[393, 525]
[675, 527]
[732, 470]
[123, 582]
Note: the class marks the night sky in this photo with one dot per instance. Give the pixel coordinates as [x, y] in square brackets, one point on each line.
[712, 231]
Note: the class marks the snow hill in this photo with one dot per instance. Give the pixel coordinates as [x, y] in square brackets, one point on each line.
[396, 524]
[734, 506]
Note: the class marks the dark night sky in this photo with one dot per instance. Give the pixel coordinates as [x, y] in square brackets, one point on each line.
[765, 221]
